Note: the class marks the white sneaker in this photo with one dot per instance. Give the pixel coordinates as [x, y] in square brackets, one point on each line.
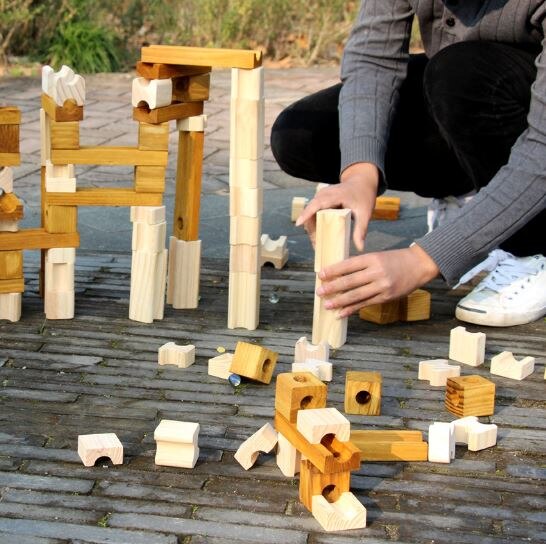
[441, 210]
[512, 294]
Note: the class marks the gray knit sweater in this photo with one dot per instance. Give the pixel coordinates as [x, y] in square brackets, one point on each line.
[374, 65]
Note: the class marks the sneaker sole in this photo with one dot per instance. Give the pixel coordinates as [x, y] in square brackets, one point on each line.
[480, 317]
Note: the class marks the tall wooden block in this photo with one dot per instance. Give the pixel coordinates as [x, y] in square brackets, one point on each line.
[246, 173]
[177, 443]
[254, 362]
[441, 442]
[313, 482]
[288, 457]
[244, 300]
[59, 290]
[92, 447]
[244, 258]
[316, 423]
[470, 396]
[149, 237]
[152, 137]
[467, 347]
[245, 201]
[298, 391]
[184, 273]
[363, 393]
[10, 306]
[248, 136]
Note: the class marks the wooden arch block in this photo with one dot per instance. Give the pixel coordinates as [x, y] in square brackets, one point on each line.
[363, 393]
[467, 347]
[316, 423]
[506, 365]
[273, 251]
[63, 85]
[177, 443]
[306, 350]
[94, 446]
[346, 513]
[298, 391]
[478, 436]
[181, 356]
[470, 396]
[437, 371]
[265, 439]
[254, 362]
[156, 93]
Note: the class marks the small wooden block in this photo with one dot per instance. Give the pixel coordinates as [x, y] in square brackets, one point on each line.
[219, 366]
[59, 178]
[109, 156]
[151, 215]
[9, 138]
[244, 230]
[63, 85]
[244, 300]
[37, 239]
[152, 93]
[11, 265]
[177, 443]
[315, 424]
[184, 273]
[381, 314]
[92, 447]
[478, 436]
[153, 137]
[166, 71]
[298, 391]
[390, 445]
[245, 201]
[288, 457]
[346, 513]
[363, 393]
[437, 371]
[10, 159]
[150, 179]
[470, 396]
[10, 115]
[15, 285]
[298, 205]
[467, 347]
[198, 123]
[11, 208]
[413, 307]
[274, 251]
[168, 113]
[181, 356]
[254, 362]
[246, 173]
[313, 482]
[149, 237]
[247, 84]
[10, 306]
[65, 135]
[506, 365]
[247, 130]
[243, 258]
[321, 369]
[441, 442]
[70, 111]
[60, 219]
[6, 179]
[386, 207]
[191, 88]
[9, 225]
[265, 439]
[306, 350]
[97, 196]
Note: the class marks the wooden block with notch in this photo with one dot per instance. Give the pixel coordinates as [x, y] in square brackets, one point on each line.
[304, 350]
[254, 362]
[506, 365]
[273, 251]
[467, 347]
[176, 443]
[191, 88]
[151, 70]
[263, 440]
[92, 447]
[387, 208]
[288, 457]
[167, 113]
[11, 265]
[151, 93]
[244, 300]
[184, 273]
[390, 445]
[470, 396]
[314, 424]
[363, 393]
[70, 111]
[59, 283]
[153, 137]
[298, 391]
[437, 371]
[172, 354]
[323, 370]
[63, 85]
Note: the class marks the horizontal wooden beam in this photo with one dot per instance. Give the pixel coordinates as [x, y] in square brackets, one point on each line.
[37, 239]
[97, 196]
[151, 70]
[16, 285]
[110, 156]
[390, 445]
[10, 159]
[10, 115]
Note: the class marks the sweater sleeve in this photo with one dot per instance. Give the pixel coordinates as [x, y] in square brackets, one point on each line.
[373, 67]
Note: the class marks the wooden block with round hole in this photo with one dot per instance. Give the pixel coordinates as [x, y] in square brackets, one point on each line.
[363, 393]
[254, 362]
[316, 423]
[298, 391]
[470, 396]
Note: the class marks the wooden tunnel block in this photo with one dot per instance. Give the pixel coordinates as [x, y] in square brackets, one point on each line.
[305, 350]
[10, 306]
[245, 201]
[386, 207]
[254, 362]
[149, 237]
[152, 215]
[441, 442]
[298, 205]
[198, 123]
[154, 93]
[363, 393]
[150, 179]
[11, 265]
[9, 138]
[313, 482]
[109, 156]
[153, 137]
[191, 88]
[288, 457]
[263, 440]
[70, 111]
[176, 443]
[298, 391]
[314, 424]
[245, 230]
[246, 173]
[321, 369]
[58, 219]
[172, 112]
[247, 129]
[14, 285]
[151, 70]
[184, 273]
[92, 447]
[437, 371]
[467, 347]
[478, 436]
[244, 258]
[506, 365]
[59, 283]
[244, 300]
[274, 251]
[219, 366]
[64, 135]
[345, 513]
[390, 445]
[470, 396]
[6, 179]
[63, 85]
[181, 356]
[59, 178]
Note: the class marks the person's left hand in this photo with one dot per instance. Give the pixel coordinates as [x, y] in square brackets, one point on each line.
[374, 278]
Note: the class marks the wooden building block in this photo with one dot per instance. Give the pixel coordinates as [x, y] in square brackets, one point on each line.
[344, 514]
[184, 273]
[153, 137]
[10, 115]
[437, 371]
[478, 436]
[263, 440]
[314, 424]
[177, 443]
[149, 237]
[244, 300]
[321, 369]
[247, 84]
[151, 215]
[381, 314]
[198, 123]
[153, 93]
[191, 88]
[63, 85]
[245, 201]
[415, 306]
[390, 445]
[298, 391]
[254, 362]
[245, 230]
[10, 159]
[247, 129]
[506, 365]
[470, 396]
[59, 178]
[45, 138]
[14, 285]
[274, 251]
[109, 156]
[70, 111]
[441, 442]
[6, 179]
[298, 205]
[11, 208]
[58, 219]
[244, 258]
[11, 265]
[59, 283]
[386, 207]
[181, 356]
[150, 179]
[246, 173]
[97, 196]
[332, 246]
[92, 447]
[9, 138]
[151, 70]
[467, 347]
[65, 135]
[363, 393]
[288, 457]
[172, 112]
[329, 485]
[37, 239]
[10, 306]
[305, 350]
[219, 366]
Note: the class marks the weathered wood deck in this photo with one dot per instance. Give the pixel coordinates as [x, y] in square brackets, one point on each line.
[99, 373]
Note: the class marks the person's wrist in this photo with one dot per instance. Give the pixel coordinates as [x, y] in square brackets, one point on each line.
[426, 266]
[362, 172]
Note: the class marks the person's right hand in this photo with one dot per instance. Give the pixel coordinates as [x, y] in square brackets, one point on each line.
[356, 191]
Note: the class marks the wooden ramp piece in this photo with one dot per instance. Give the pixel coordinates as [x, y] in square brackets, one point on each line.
[265, 439]
[94, 446]
[390, 445]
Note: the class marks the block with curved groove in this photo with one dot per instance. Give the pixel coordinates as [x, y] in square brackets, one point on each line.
[470, 396]
[273, 251]
[314, 424]
[6, 179]
[306, 350]
[288, 457]
[254, 362]
[437, 371]
[441, 442]
[181, 356]
[155, 93]
[263, 440]
[478, 436]
[506, 365]
[298, 391]
[94, 446]
[321, 369]
[346, 513]
[467, 347]
[63, 85]
[177, 443]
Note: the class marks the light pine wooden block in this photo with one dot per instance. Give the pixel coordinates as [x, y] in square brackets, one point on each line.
[470, 396]
[6, 179]
[254, 362]
[244, 258]
[10, 306]
[59, 293]
[288, 457]
[63, 85]
[154, 93]
[506, 365]
[149, 237]
[263, 440]
[149, 179]
[161, 285]
[467, 347]
[478, 436]
[45, 138]
[176, 443]
[390, 445]
[274, 251]
[321, 369]
[219, 366]
[248, 118]
[244, 300]
[153, 137]
[152, 215]
[59, 178]
[344, 514]
[298, 205]
[298, 391]
[246, 173]
[441, 442]
[313, 482]
[92, 447]
[245, 230]
[437, 371]
[315, 423]
[195, 88]
[11, 265]
[181, 356]
[461, 427]
[184, 273]
[247, 84]
[363, 393]
[245, 201]
[305, 350]
[196, 123]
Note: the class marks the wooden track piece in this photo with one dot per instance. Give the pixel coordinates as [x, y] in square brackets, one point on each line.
[390, 445]
[263, 440]
[151, 93]
[467, 347]
[506, 365]
[470, 396]
[273, 251]
[346, 513]
[172, 112]
[437, 371]
[298, 391]
[288, 457]
[166, 71]
[176, 443]
[313, 482]
[363, 393]
[181, 356]
[254, 362]
[314, 424]
[244, 230]
[306, 350]
[219, 366]
[92, 447]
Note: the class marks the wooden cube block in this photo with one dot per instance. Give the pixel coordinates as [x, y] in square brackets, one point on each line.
[316, 423]
[467, 347]
[11, 265]
[470, 396]
[177, 443]
[153, 137]
[92, 447]
[415, 306]
[363, 393]
[437, 371]
[254, 362]
[386, 207]
[298, 391]
[381, 314]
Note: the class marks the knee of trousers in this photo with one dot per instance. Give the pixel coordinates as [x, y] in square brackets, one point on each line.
[286, 142]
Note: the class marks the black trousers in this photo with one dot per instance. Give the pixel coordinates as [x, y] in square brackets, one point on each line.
[458, 116]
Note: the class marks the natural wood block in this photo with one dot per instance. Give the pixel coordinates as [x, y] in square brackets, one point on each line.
[415, 306]
[298, 205]
[14, 285]
[344, 514]
[363, 393]
[478, 436]
[386, 207]
[191, 88]
[151, 70]
[382, 314]
[273, 251]
[245, 201]
[245, 230]
[437, 371]
[246, 173]
[10, 159]
[321, 369]
[150, 179]
[390, 445]
[467, 347]
[37, 239]
[298, 391]
[92, 447]
[244, 258]
[6, 179]
[9, 138]
[184, 273]
[219, 366]
[11, 265]
[153, 137]
[61, 219]
[198, 123]
[151, 93]
[314, 424]
[63, 85]
[177, 443]
[263, 440]
[441, 442]
[247, 129]
[59, 304]
[70, 111]
[65, 135]
[59, 178]
[10, 115]
[470, 396]
[10, 306]
[254, 362]
[306, 350]
[148, 237]
[11, 208]
[202, 56]
[151, 215]
[97, 196]
[244, 300]
[313, 482]
[506, 365]
[168, 113]
[110, 156]
[9, 225]
[181, 356]
[61, 255]
[288, 457]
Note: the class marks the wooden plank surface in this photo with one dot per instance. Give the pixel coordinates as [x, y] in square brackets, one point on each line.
[98, 196]
[109, 155]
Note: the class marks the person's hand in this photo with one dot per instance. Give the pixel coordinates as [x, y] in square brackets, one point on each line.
[374, 278]
[356, 191]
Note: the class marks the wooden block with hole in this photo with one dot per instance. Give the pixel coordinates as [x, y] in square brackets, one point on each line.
[273, 251]
[153, 93]
[153, 137]
[244, 300]
[470, 396]
[69, 111]
[176, 443]
[263, 440]
[314, 424]
[191, 88]
[387, 208]
[314, 482]
[92, 447]
[363, 393]
[254, 362]
[467, 347]
[390, 445]
[10, 306]
[437, 371]
[298, 391]
[343, 514]
[506, 365]
[172, 354]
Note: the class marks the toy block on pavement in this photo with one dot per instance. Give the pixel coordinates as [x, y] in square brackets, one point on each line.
[176, 443]
[198, 123]
[306, 350]
[506, 365]
[386, 207]
[10, 306]
[298, 391]
[437, 371]
[314, 424]
[244, 258]
[298, 205]
[6, 179]
[153, 93]
[478, 436]
[321, 369]
[346, 513]
[363, 393]
[263, 440]
[181, 356]
[470, 396]
[172, 112]
[94, 446]
[288, 457]
[254, 362]
[467, 347]
[65, 135]
[441, 442]
[63, 85]
[390, 445]
[273, 251]
[220, 365]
